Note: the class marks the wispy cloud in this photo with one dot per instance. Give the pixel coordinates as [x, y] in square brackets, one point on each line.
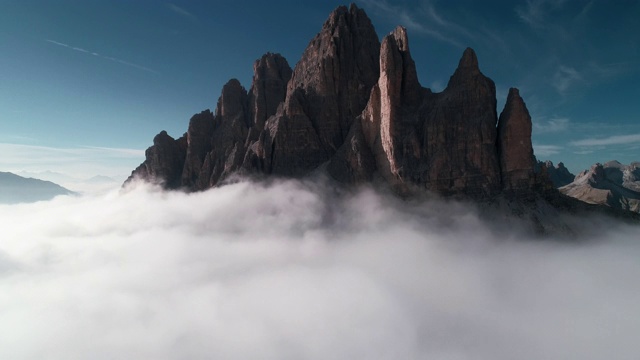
[611, 140]
[182, 12]
[428, 22]
[546, 150]
[535, 12]
[611, 70]
[77, 161]
[532, 13]
[120, 61]
[553, 125]
[584, 152]
[564, 78]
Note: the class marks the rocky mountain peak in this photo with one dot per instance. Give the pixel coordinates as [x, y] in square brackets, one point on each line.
[559, 175]
[231, 100]
[329, 88]
[468, 64]
[514, 144]
[399, 34]
[271, 73]
[356, 104]
[469, 60]
[595, 175]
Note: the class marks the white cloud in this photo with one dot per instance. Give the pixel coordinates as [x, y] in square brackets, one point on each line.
[564, 78]
[552, 125]
[546, 150]
[611, 140]
[294, 270]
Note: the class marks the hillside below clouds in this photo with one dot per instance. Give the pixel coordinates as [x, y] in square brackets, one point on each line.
[356, 105]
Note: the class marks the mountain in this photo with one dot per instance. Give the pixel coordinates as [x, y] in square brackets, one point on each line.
[353, 108]
[356, 105]
[612, 184]
[17, 189]
[559, 175]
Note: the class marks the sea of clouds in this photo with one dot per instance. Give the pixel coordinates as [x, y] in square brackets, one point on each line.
[299, 270]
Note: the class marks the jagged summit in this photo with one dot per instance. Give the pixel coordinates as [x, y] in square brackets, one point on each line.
[559, 174]
[356, 105]
[469, 60]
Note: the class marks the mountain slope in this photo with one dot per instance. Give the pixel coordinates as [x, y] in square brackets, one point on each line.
[17, 189]
[612, 184]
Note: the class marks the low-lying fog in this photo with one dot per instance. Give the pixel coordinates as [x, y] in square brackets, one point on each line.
[289, 271]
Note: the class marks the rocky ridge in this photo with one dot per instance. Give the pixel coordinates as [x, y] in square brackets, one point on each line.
[612, 184]
[355, 105]
[559, 174]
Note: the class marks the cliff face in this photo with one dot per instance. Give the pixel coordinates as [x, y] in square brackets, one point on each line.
[164, 161]
[329, 88]
[446, 142]
[357, 106]
[514, 145]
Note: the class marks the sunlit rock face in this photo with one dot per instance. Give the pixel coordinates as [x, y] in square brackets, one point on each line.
[355, 106]
[612, 184]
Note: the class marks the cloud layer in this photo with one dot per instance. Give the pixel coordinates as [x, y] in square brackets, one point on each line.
[297, 270]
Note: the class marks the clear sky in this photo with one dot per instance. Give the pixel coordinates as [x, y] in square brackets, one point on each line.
[85, 85]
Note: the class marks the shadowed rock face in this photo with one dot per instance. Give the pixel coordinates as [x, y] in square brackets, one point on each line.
[219, 144]
[514, 144]
[357, 106]
[329, 88]
[198, 147]
[444, 142]
[559, 175]
[460, 133]
[164, 161]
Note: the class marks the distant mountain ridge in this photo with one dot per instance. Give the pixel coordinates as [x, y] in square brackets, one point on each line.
[559, 174]
[612, 184]
[17, 189]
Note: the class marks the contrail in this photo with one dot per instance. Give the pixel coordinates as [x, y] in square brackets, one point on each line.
[123, 62]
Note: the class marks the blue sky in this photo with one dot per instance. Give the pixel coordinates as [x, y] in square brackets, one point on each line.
[85, 85]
